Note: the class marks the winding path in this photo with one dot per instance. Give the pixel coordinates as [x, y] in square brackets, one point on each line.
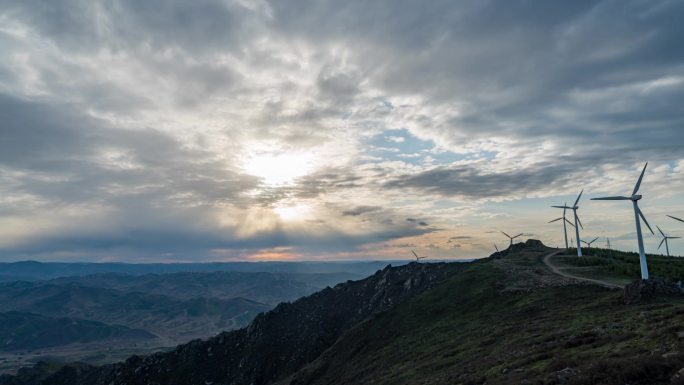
[556, 270]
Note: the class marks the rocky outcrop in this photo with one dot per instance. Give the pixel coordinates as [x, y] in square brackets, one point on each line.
[276, 343]
[530, 244]
[644, 290]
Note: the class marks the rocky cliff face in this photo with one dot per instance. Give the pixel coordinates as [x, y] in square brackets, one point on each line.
[274, 345]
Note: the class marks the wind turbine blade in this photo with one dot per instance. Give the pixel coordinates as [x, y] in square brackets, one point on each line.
[674, 237]
[661, 231]
[578, 197]
[570, 223]
[585, 242]
[414, 253]
[661, 243]
[578, 221]
[638, 184]
[611, 199]
[562, 207]
[645, 221]
[555, 220]
[497, 249]
[506, 234]
[517, 235]
[675, 218]
[594, 240]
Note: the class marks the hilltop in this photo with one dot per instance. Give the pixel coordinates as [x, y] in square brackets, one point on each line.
[505, 319]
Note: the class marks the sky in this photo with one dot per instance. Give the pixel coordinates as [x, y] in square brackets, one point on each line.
[222, 130]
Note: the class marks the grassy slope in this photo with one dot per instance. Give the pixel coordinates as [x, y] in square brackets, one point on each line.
[469, 331]
[625, 265]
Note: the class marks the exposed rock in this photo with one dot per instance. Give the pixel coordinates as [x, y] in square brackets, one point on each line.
[644, 290]
[516, 247]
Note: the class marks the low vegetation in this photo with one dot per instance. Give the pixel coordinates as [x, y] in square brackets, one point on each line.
[626, 264]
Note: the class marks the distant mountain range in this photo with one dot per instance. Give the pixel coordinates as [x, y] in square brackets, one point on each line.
[141, 312]
[35, 271]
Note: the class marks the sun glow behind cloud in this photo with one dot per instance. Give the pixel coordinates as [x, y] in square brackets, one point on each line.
[279, 168]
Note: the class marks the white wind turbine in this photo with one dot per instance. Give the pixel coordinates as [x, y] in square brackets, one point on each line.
[578, 223]
[637, 213]
[665, 238]
[590, 242]
[417, 257]
[511, 238]
[565, 227]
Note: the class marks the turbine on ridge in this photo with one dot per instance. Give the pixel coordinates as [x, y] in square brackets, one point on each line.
[665, 238]
[565, 227]
[578, 223]
[417, 257]
[590, 242]
[511, 238]
[637, 214]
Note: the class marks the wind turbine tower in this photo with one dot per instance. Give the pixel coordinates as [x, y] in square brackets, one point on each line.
[511, 238]
[417, 257]
[578, 223]
[665, 238]
[590, 242]
[637, 213]
[565, 227]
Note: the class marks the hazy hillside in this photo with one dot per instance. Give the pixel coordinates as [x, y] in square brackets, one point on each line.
[176, 307]
[268, 288]
[21, 331]
[165, 316]
[502, 320]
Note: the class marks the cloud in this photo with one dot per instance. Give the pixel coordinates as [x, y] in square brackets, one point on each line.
[130, 127]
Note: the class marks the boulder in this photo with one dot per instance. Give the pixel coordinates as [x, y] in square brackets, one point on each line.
[645, 289]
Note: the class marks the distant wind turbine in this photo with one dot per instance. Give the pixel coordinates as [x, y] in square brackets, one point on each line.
[665, 238]
[511, 238]
[637, 213]
[608, 244]
[417, 257]
[565, 227]
[496, 247]
[578, 223]
[590, 242]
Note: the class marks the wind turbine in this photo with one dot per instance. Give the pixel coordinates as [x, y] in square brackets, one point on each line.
[675, 218]
[665, 238]
[637, 213]
[578, 223]
[511, 238]
[417, 257]
[608, 244]
[590, 242]
[565, 227]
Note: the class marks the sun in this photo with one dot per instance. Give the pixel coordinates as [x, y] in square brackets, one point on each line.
[292, 213]
[278, 169]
